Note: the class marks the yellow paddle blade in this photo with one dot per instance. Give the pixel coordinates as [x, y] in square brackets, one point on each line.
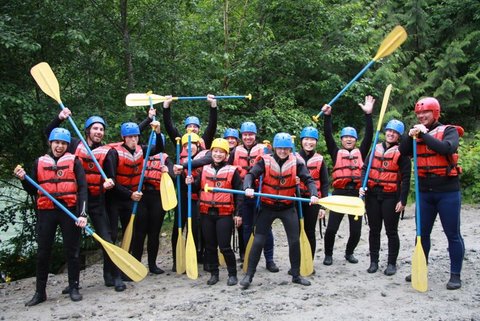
[46, 80]
[247, 252]
[123, 260]
[306, 259]
[419, 268]
[191, 254]
[221, 259]
[386, 97]
[167, 192]
[127, 236]
[180, 253]
[344, 204]
[143, 99]
[394, 39]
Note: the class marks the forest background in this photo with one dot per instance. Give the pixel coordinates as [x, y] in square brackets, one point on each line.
[292, 56]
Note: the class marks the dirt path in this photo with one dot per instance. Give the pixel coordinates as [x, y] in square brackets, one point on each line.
[342, 291]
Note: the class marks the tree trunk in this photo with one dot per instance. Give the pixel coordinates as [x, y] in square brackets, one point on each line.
[127, 54]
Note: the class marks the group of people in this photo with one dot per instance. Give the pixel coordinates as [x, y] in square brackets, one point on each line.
[238, 161]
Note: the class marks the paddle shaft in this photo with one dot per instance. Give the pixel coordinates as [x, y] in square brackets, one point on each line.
[234, 191]
[205, 97]
[300, 209]
[179, 188]
[60, 205]
[331, 102]
[189, 173]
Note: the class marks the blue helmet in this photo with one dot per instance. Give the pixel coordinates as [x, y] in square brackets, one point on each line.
[349, 131]
[248, 127]
[192, 120]
[396, 125]
[310, 132]
[282, 140]
[231, 132]
[60, 134]
[129, 129]
[94, 119]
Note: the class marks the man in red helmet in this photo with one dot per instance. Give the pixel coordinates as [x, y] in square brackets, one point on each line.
[439, 183]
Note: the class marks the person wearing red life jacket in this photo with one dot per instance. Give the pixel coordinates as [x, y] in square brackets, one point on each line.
[439, 183]
[197, 153]
[192, 123]
[94, 128]
[61, 174]
[280, 172]
[386, 194]
[346, 175]
[219, 211]
[318, 170]
[150, 225]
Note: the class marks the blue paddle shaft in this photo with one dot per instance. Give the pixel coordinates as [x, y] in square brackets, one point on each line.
[300, 209]
[189, 173]
[179, 189]
[331, 102]
[59, 205]
[75, 128]
[280, 197]
[369, 166]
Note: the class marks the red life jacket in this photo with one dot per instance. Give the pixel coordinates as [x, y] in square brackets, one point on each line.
[430, 162]
[279, 181]
[195, 171]
[129, 167]
[58, 179]
[221, 179]
[245, 159]
[313, 164]
[348, 168]
[384, 171]
[153, 173]
[94, 178]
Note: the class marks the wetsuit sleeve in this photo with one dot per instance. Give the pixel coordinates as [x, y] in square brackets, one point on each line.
[144, 124]
[405, 172]
[170, 128]
[406, 145]
[329, 140]
[82, 188]
[200, 162]
[108, 166]
[196, 184]
[324, 180]
[209, 133]
[238, 198]
[447, 146]
[255, 172]
[169, 164]
[367, 140]
[306, 178]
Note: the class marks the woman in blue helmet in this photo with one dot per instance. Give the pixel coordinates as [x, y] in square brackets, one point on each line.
[318, 171]
[386, 194]
[61, 174]
[280, 172]
[346, 176]
[192, 123]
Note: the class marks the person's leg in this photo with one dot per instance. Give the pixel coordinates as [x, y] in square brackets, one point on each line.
[334, 220]
[373, 209]
[224, 226]
[390, 219]
[156, 215]
[355, 234]
[71, 243]
[310, 214]
[208, 224]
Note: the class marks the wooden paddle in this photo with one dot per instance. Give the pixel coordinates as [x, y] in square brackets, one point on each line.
[419, 261]
[143, 99]
[180, 248]
[122, 259]
[394, 39]
[306, 258]
[338, 203]
[191, 251]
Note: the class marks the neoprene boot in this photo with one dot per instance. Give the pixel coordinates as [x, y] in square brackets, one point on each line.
[454, 283]
[232, 280]
[272, 267]
[327, 260]
[37, 298]
[300, 280]
[373, 267]
[350, 258]
[390, 270]
[213, 279]
[246, 281]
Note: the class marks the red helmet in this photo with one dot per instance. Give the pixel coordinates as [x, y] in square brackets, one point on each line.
[428, 104]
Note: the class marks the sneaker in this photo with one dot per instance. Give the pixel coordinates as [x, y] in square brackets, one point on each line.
[454, 283]
[232, 280]
[37, 298]
[246, 281]
[327, 260]
[299, 280]
[373, 267]
[390, 270]
[350, 258]
[272, 267]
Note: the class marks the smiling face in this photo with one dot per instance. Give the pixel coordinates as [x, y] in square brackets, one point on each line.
[248, 139]
[232, 142]
[426, 118]
[391, 136]
[348, 142]
[309, 144]
[282, 152]
[58, 147]
[218, 155]
[192, 128]
[95, 133]
[131, 141]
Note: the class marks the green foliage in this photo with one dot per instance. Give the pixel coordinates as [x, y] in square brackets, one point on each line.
[469, 160]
